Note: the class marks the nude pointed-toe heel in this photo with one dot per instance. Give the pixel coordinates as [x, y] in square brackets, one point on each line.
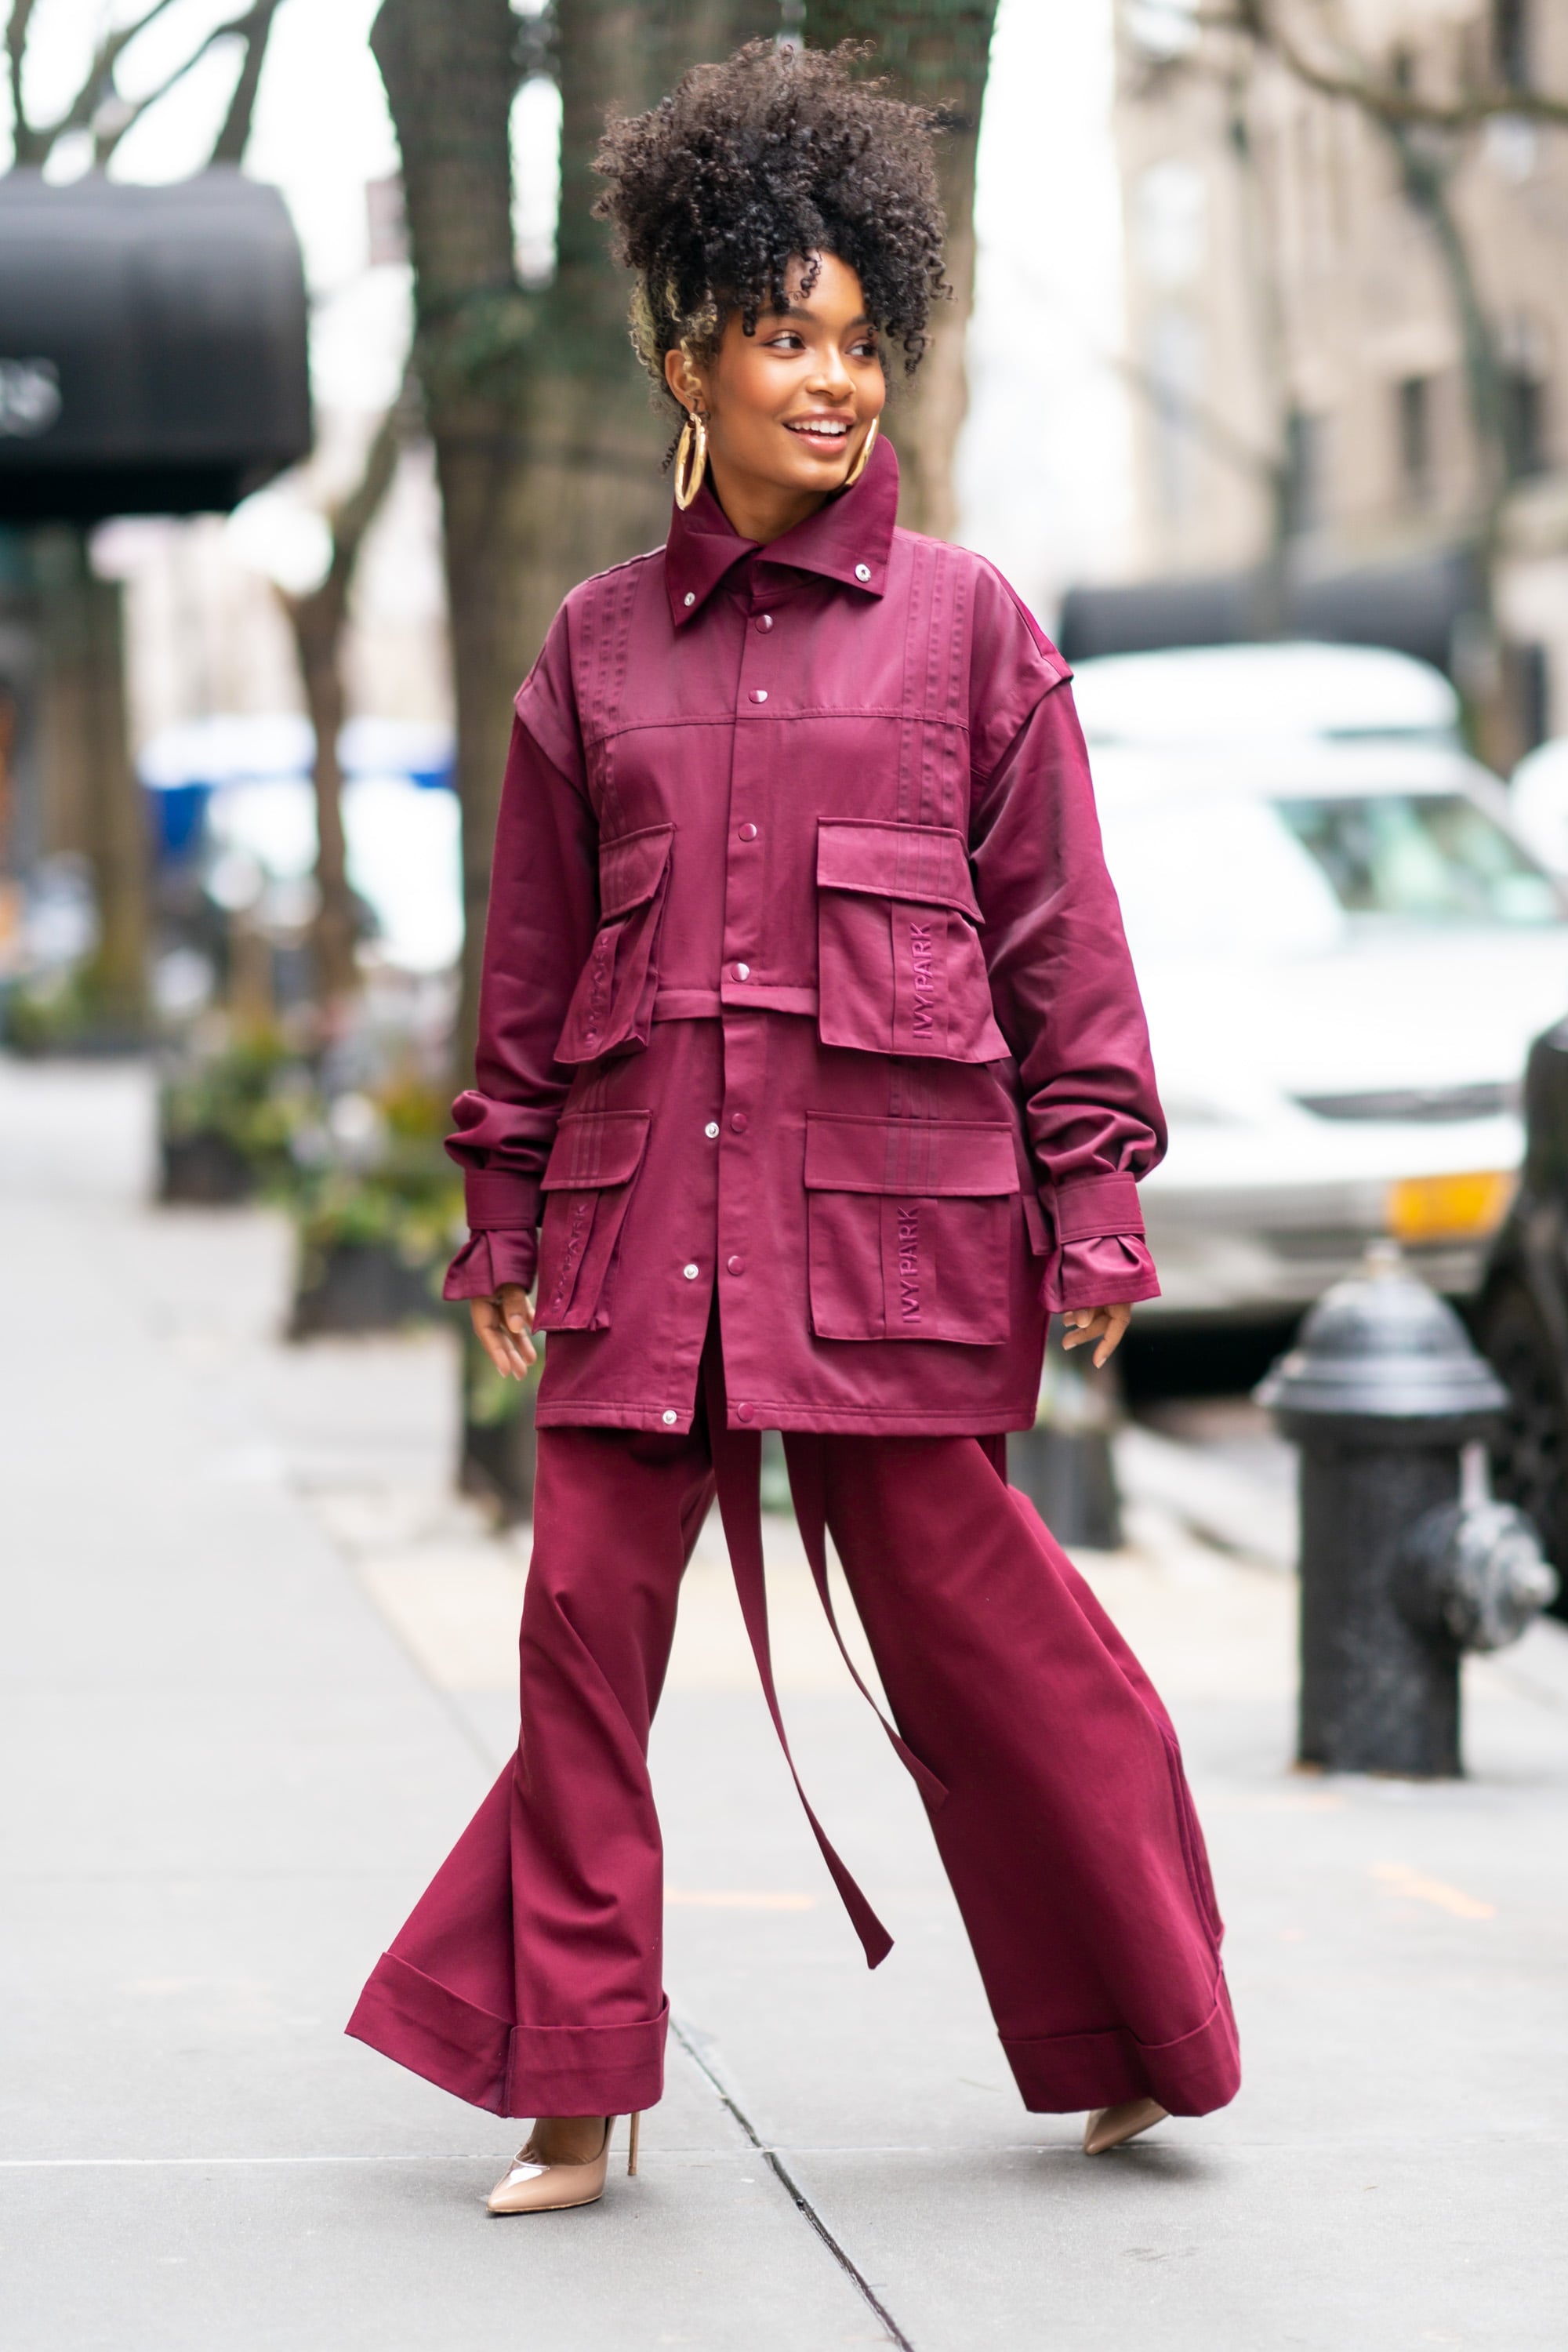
[1109, 2127]
[531, 2185]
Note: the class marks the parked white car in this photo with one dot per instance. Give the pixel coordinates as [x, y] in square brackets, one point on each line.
[1538, 795]
[1344, 947]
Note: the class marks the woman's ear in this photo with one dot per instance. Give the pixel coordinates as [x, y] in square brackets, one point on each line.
[682, 378]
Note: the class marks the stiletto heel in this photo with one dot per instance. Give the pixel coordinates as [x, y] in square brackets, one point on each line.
[632, 2144]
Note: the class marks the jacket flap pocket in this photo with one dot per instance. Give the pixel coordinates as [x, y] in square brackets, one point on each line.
[595, 1148]
[926, 864]
[957, 1158]
[630, 869]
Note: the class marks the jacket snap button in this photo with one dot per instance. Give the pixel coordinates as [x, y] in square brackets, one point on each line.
[764, 621]
[742, 972]
[742, 1412]
[734, 1265]
[711, 1129]
[759, 694]
[687, 600]
[691, 1272]
[748, 832]
[862, 571]
[668, 1420]
[739, 1122]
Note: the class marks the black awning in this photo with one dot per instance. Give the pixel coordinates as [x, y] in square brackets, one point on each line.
[153, 346]
[1411, 606]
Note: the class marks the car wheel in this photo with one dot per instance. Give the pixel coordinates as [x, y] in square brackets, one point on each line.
[1529, 1458]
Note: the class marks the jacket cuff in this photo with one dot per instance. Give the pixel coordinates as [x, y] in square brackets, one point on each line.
[487, 1259]
[1086, 1207]
[495, 1198]
[1111, 1270]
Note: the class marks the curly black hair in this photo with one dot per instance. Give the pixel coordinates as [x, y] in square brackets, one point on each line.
[771, 157]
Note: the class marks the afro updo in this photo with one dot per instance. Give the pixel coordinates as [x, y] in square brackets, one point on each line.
[774, 155]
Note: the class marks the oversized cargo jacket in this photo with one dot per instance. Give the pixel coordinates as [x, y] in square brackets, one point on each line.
[804, 986]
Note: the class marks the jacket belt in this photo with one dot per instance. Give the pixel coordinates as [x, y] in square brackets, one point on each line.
[737, 1456]
[731, 997]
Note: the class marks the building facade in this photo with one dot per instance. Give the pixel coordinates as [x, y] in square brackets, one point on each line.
[1301, 281]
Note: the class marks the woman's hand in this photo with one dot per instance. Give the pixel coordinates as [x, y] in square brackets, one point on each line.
[1105, 1324]
[501, 1326]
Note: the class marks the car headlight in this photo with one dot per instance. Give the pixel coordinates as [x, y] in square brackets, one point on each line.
[1449, 1207]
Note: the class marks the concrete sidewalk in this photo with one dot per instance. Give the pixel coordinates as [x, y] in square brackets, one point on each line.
[259, 1672]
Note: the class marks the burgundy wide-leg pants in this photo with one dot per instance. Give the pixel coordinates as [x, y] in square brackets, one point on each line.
[528, 1979]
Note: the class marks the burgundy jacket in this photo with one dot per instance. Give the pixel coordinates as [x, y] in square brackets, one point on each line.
[804, 982]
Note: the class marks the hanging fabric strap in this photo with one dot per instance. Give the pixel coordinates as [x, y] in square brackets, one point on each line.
[807, 1458]
[737, 1469]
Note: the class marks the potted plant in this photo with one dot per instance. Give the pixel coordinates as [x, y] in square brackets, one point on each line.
[378, 1215]
[227, 1121]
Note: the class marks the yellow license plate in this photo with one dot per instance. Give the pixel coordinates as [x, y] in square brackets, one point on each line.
[1449, 1207]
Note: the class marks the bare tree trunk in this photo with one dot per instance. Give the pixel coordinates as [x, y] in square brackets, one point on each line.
[937, 52]
[1427, 164]
[88, 769]
[547, 443]
[319, 620]
[449, 69]
[1270, 601]
[547, 447]
[318, 643]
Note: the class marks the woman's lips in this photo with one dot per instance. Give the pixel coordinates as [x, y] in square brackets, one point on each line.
[825, 433]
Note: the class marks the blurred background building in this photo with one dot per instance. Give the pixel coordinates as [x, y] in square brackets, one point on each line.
[1347, 329]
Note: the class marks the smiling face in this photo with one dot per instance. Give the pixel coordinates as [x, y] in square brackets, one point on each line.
[787, 408]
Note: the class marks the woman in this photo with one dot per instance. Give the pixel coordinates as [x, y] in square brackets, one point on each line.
[809, 1027]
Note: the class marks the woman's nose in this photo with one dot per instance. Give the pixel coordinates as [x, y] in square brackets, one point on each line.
[830, 376]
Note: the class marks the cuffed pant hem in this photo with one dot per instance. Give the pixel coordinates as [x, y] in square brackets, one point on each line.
[586, 2070]
[1192, 2075]
[508, 2070]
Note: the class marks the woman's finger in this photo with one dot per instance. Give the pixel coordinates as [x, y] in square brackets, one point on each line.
[1117, 1318]
[517, 1317]
[1083, 1323]
[1104, 1324]
[496, 1340]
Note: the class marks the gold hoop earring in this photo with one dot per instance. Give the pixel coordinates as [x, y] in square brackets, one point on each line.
[858, 468]
[689, 467]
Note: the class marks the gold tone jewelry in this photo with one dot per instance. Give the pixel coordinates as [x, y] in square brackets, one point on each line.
[858, 468]
[688, 469]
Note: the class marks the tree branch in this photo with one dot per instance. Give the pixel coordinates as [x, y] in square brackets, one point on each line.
[230, 144]
[240, 27]
[1261, 21]
[23, 133]
[351, 517]
[317, 620]
[97, 80]
[1426, 189]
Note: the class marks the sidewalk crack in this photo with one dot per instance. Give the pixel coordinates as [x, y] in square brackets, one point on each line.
[688, 2041]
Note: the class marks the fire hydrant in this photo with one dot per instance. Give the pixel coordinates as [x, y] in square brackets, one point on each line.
[1407, 1562]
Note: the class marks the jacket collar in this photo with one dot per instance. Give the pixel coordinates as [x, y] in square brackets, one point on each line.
[851, 535]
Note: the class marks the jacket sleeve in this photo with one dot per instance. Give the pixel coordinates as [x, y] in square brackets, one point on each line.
[1064, 991]
[543, 909]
